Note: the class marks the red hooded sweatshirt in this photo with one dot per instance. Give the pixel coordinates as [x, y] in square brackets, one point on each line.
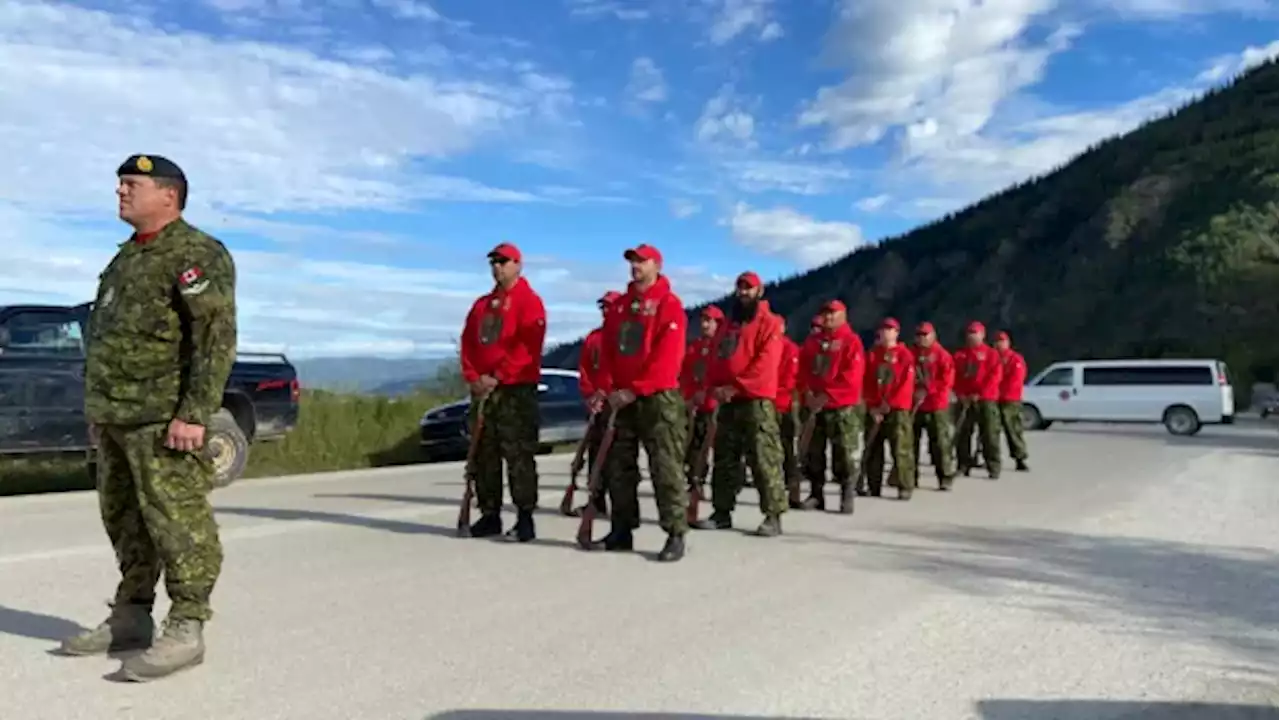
[890, 377]
[644, 340]
[591, 375]
[747, 354]
[503, 336]
[787, 371]
[1012, 376]
[834, 366]
[978, 372]
[935, 375]
[694, 373]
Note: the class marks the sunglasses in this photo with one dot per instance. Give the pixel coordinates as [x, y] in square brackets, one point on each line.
[499, 260]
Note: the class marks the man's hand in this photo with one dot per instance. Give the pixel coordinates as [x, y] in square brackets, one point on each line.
[184, 437]
[816, 401]
[484, 385]
[725, 393]
[595, 403]
[619, 399]
[699, 398]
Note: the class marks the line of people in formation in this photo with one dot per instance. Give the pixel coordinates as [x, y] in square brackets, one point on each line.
[726, 402]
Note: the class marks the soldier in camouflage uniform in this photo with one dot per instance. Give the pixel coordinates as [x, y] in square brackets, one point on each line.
[693, 385]
[744, 375]
[161, 343]
[832, 363]
[502, 362]
[889, 394]
[979, 373]
[1013, 376]
[590, 379]
[935, 375]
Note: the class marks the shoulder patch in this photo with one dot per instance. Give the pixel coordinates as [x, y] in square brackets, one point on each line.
[192, 281]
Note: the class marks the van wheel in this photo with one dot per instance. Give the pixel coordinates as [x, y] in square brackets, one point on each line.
[1181, 420]
[1031, 418]
[227, 447]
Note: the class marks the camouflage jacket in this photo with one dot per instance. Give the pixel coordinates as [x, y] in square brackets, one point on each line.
[162, 332]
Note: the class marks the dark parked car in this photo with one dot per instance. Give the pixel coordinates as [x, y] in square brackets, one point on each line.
[562, 415]
[42, 392]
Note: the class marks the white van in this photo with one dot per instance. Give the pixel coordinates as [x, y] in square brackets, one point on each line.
[1182, 394]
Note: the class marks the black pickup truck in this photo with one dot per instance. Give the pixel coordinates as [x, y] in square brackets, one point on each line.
[42, 392]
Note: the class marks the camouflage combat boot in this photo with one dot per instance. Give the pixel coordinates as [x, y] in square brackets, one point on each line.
[128, 627]
[717, 521]
[673, 550]
[523, 530]
[180, 646]
[771, 527]
[846, 499]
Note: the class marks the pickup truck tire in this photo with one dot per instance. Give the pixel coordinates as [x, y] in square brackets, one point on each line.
[228, 447]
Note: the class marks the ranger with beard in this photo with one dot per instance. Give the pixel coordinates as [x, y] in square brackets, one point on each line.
[693, 385]
[744, 378]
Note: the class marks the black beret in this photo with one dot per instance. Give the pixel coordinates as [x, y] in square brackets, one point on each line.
[151, 166]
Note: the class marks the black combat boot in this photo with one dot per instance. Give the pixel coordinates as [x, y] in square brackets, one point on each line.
[717, 521]
[619, 538]
[817, 499]
[944, 482]
[771, 527]
[846, 499]
[523, 530]
[673, 550]
[1021, 466]
[488, 525]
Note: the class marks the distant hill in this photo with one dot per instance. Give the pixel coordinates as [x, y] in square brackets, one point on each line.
[370, 375]
[1161, 242]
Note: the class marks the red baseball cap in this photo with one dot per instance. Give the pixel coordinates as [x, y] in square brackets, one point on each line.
[889, 322]
[924, 328]
[817, 321]
[975, 327]
[749, 279]
[506, 250]
[609, 298]
[834, 306]
[713, 312]
[643, 251]
[1002, 335]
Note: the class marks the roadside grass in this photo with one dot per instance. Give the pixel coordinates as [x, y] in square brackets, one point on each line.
[335, 431]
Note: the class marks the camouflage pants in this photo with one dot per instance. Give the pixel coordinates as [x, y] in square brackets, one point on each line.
[510, 434]
[842, 428]
[659, 422]
[697, 437]
[936, 425]
[748, 430]
[984, 416]
[155, 508]
[787, 432]
[896, 431]
[1011, 421]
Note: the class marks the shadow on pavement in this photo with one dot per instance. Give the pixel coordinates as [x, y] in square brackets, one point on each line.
[1227, 596]
[1253, 437]
[597, 715]
[396, 526]
[37, 626]
[1119, 710]
[508, 509]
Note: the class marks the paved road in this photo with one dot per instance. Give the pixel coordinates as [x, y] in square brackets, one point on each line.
[1130, 574]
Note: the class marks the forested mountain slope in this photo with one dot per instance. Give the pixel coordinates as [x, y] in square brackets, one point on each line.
[1158, 243]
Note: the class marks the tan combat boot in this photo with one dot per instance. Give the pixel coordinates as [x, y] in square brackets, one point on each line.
[180, 646]
[128, 627]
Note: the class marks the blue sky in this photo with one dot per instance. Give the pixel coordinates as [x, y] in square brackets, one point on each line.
[360, 156]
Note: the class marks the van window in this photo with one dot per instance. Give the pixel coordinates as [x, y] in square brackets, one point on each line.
[41, 333]
[1150, 375]
[1059, 377]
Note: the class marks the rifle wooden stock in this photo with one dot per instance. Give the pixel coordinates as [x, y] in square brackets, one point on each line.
[802, 452]
[593, 483]
[566, 503]
[469, 473]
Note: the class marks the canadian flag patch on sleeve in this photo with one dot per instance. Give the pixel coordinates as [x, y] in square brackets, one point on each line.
[192, 281]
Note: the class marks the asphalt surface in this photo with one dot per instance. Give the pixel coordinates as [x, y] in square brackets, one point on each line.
[1129, 575]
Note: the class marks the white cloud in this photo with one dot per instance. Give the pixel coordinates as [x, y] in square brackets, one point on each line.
[784, 232]
[684, 208]
[795, 178]
[1224, 67]
[256, 126]
[872, 203]
[598, 8]
[734, 17]
[647, 84]
[723, 119]
[1177, 9]
[409, 9]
